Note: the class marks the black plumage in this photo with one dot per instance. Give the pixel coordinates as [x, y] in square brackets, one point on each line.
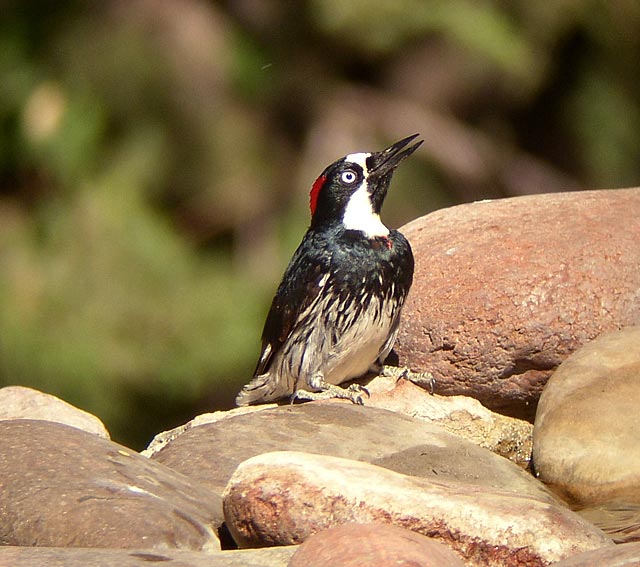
[336, 312]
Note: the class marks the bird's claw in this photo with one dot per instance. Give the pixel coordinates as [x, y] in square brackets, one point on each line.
[353, 393]
[422, 379]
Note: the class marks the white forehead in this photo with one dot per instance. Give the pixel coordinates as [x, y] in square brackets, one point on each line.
[360, 159]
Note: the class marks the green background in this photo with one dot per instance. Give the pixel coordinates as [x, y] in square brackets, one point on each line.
[155, 160]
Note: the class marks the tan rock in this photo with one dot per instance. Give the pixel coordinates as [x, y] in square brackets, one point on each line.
[505, 290]
[461, 415]
[620, 520]
[627, 555]
[282, 498]
[372, 545]
[63, 487]
[586, 430]
[18, 402]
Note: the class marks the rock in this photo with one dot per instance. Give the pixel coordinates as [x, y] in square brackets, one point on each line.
[210, 453]
[586, 429]
[460, 415]
[18, 402]
[505, 290]
[618, 519]
[285, 497]
[62, 487]
[463, 416]
[372, 545]
[161, 440]
[627, 555]
[74, 557]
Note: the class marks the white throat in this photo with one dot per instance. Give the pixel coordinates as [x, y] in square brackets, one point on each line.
[359, 215]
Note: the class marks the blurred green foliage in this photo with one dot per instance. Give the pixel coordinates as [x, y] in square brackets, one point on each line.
[154, 159]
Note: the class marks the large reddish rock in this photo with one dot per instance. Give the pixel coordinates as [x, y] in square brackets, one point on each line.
[285, 497]
[505, 290]
[372, 545]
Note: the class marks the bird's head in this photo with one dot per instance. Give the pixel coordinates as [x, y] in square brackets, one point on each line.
[352, 189]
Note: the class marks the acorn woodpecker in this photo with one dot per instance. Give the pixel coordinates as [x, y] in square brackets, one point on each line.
[335, 315]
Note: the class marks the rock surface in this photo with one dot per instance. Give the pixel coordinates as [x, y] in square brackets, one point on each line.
[618, 519]
[74, 557]
[505, 290]
[626, 555]
[461, 415]
[18, 402]
[372, 545]
[285, 497]
[162, 439]
[210, 453]
[586, 430]
[62, 487]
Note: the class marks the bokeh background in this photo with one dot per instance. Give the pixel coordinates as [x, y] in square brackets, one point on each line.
[156, 155]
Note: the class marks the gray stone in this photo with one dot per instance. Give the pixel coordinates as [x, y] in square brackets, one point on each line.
[63, 487]
[285, 497]
[18, 402]
[505, 290]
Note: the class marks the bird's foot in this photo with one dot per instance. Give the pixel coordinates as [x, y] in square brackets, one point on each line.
[329, 391]
[422, 379]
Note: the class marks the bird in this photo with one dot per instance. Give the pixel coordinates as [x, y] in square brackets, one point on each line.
[336, 313]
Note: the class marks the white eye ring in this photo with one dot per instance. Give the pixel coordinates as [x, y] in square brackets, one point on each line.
[348, 176]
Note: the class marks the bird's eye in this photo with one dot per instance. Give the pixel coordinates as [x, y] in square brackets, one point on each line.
[348, 176]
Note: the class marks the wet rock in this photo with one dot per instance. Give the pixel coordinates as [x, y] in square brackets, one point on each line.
[505, 290]
[64, 487]
[282, 498]
[18, 402]
[372, 545]
[74, 557]
[586, 431]
[210, 453]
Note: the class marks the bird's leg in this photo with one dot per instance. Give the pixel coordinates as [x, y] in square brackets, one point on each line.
[422, 379]
[326, 391]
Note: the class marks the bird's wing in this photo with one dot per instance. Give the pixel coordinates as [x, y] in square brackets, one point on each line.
[300, 288]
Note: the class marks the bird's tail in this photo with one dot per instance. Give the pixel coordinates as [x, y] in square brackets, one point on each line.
[262, 389]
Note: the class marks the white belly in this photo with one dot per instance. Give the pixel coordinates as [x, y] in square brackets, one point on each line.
[358, 348]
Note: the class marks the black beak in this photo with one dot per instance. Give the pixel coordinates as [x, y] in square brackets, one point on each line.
[381, 163]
